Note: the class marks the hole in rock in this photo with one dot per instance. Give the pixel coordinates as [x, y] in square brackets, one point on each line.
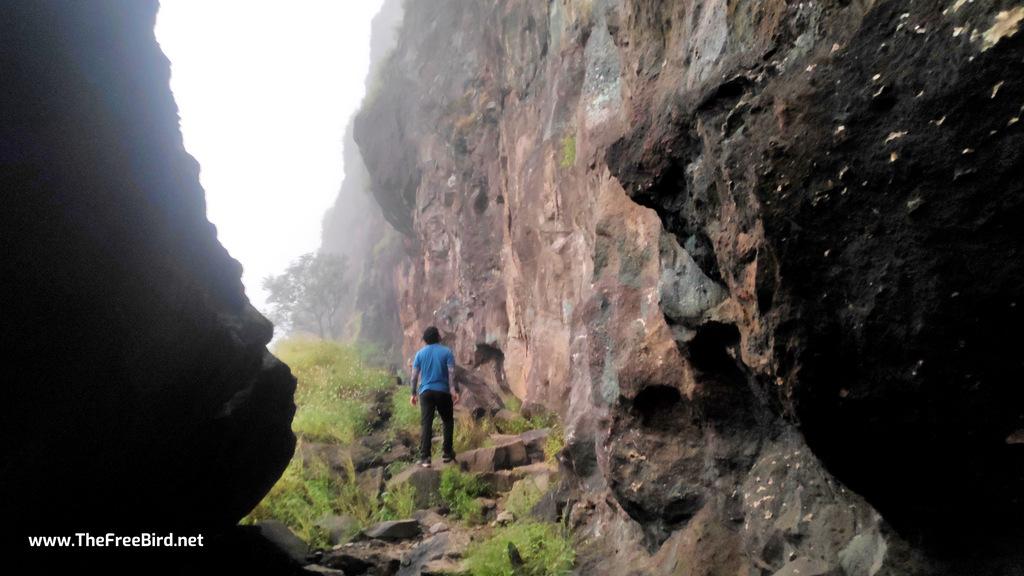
[656, 406]
[485, 353]
[480, 202]
[708, 351]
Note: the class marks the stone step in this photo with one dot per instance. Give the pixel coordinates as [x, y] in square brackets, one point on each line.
[394, 530]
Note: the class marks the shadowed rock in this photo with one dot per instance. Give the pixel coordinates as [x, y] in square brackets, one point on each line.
[142, 396]
[504, 456]
[394, 530]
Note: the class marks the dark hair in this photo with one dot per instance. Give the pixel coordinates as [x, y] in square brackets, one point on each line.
[431, 335]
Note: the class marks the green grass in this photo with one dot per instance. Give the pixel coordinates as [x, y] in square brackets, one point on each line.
[404, 416]
[306, 494]
[398, 503]
[470, 433]
[544, 548]
[556, 442]
[460, 491]
[334, 398]
[335, 389]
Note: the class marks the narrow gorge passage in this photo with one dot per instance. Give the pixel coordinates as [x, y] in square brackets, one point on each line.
[762, 260]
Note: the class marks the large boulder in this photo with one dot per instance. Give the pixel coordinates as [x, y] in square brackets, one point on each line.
[425, 482]
[141, 397]
[503, 456]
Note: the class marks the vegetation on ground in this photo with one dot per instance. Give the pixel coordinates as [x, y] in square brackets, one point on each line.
[470, 433]
[398, 502]
[335, 391]
[308, 492]
[459, 492]
[334, 401]
[338, 398]
[404, 416]
[545, 550]
[555, 444]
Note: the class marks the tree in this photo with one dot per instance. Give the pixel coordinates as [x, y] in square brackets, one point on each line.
[309, 293]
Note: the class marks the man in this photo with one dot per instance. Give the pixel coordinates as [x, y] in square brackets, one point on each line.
[433, 371]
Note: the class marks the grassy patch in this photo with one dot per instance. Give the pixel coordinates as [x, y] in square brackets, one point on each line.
[470, 433]
[522, 423]
[335, 389]
[555, 444]
[398, 503]
[544, 548]
[334, 398]
[306, 493]
[460, 491]
[404, 416]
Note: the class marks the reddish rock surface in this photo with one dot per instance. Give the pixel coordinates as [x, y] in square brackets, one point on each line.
[761, 257]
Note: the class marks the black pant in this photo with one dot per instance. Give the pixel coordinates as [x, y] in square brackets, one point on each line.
[431, 400]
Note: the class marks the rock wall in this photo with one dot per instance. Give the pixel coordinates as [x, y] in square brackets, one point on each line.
[354, 225]
[140, 396]
[761, 256]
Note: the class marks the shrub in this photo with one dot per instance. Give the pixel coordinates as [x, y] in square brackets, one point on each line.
[460, 491]
[555, 443]
[543, 547]
[398, 503]
[470, 433]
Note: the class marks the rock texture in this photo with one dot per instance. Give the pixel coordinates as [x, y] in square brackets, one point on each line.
[139, 396]
[762, 257]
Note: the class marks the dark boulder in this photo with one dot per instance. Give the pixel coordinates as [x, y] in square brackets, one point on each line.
[140, 396]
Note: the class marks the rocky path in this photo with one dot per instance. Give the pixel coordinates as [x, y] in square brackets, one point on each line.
[432, 541]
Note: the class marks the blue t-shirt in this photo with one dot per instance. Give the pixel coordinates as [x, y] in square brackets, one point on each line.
[434, 361]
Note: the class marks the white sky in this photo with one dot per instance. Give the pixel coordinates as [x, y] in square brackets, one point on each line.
[264, 90]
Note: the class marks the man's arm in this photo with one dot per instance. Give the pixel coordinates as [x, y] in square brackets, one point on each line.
[415, 378]
[452, 386]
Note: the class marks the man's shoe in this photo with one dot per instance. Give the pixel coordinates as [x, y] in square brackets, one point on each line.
[448, 459]
[424, 463]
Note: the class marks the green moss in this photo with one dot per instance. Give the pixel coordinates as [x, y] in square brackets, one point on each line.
[568, 151]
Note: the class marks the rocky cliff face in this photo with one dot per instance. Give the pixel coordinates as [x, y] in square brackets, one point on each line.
[762, 257]
[355, 226]
[139, 396]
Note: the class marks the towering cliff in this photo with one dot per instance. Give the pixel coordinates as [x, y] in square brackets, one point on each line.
[762, 257]
[354, 225]
[139, 394]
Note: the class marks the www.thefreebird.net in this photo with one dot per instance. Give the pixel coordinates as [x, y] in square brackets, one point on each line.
[86, 540]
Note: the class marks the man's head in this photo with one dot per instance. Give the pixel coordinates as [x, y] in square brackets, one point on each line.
[431, 335]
